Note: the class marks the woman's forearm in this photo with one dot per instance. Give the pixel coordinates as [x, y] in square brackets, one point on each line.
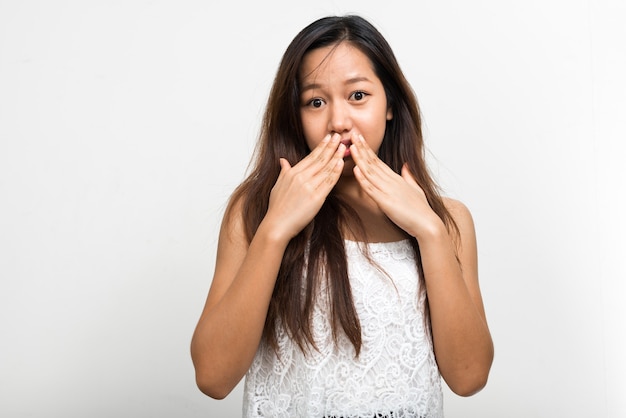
[461, 338]
[228, 333]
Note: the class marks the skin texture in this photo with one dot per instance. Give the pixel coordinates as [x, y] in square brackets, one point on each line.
[344, 113]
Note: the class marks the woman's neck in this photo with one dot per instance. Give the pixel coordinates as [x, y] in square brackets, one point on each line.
[377, 226]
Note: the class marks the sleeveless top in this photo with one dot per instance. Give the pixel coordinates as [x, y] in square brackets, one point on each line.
[395, 375]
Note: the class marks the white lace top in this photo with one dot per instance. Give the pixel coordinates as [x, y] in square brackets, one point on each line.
[395, 374]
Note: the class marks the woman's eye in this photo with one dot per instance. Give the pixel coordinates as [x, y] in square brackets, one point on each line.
[358, 95]
[316, 102]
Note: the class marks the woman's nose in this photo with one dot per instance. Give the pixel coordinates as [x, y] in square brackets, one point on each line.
[339, 119]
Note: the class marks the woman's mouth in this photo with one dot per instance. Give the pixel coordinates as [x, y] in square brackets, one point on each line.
[347, 143]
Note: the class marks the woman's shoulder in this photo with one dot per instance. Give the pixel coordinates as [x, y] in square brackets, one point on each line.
[460, 213]
[233, 226]
[456, 207]
[237, 204]
[464, 223]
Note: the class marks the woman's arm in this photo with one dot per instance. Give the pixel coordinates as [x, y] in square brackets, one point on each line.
[462, 342]
[461, 338]
[231, 325]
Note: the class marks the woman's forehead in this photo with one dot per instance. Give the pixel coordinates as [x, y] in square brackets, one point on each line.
[343, 61]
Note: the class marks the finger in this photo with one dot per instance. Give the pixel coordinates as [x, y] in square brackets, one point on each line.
[284, 164]
[371, 167]
[328, 149]
[407, 175]
[364, 155]
[323, 152]
[330, 173]
[364, 147]
[365, 184]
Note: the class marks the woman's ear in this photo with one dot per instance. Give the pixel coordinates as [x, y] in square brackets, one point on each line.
[389, 113]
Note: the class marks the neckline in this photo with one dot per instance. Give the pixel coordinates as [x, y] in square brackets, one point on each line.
[376, 243]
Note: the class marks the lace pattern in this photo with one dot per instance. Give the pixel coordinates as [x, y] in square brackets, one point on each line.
[395, 375]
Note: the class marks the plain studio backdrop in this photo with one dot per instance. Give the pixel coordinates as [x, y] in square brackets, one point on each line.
[125, 125]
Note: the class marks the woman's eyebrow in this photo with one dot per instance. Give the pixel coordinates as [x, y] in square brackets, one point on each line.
[353, 80]
[311, 86]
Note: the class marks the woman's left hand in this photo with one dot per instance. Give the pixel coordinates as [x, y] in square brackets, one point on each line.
[398, 196]
[462, 343]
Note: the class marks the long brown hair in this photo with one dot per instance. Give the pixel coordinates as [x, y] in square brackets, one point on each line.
[317, 252]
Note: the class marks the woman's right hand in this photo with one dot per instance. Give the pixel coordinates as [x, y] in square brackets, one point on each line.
[231, 325]
[301, 190]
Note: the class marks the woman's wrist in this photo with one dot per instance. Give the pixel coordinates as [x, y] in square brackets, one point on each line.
[431, 229]
[272, 234]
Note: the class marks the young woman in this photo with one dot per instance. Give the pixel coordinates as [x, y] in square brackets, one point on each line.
[344, 285]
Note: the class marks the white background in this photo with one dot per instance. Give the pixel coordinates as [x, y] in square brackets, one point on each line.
[125, 125]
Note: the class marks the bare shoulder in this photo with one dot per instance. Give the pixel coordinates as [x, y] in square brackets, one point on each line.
[466, 244]
[467, 250]
[233, 242]
[460, 212]
[233, 229]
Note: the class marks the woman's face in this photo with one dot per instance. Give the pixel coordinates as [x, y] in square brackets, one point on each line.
[342, 94]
